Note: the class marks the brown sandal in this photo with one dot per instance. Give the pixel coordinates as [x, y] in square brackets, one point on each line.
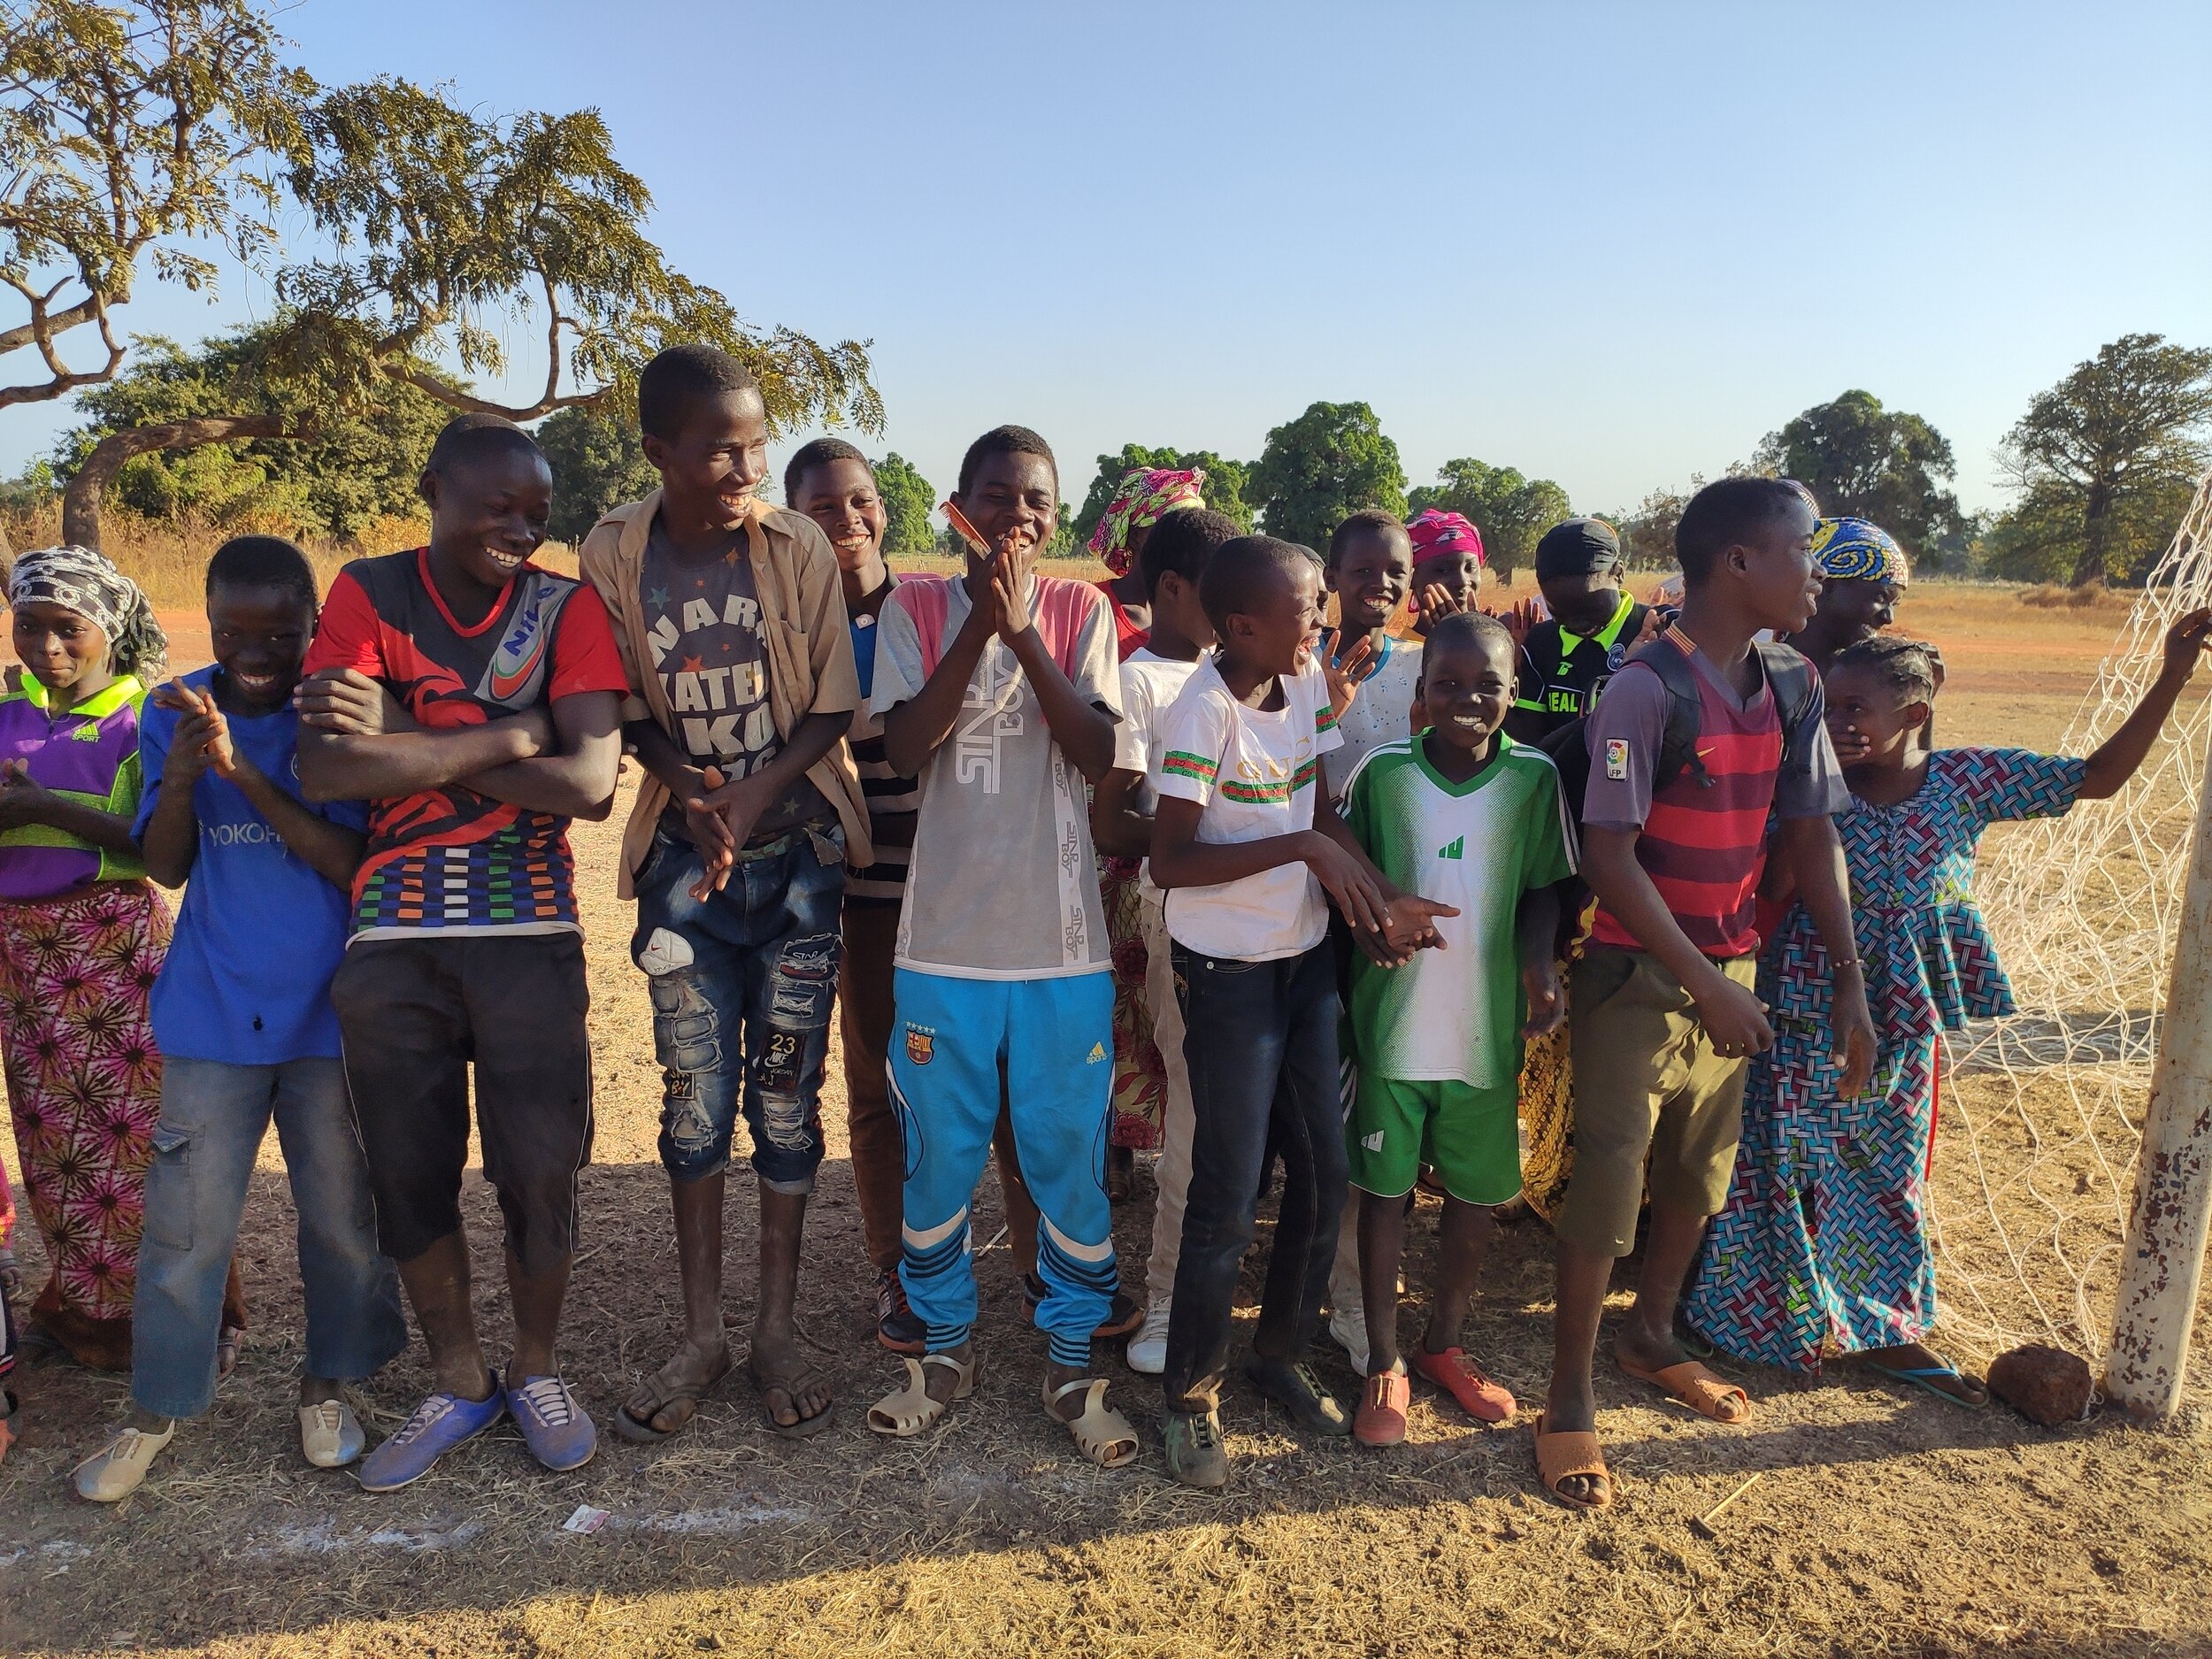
[1696, 1387]
[1564, 1456]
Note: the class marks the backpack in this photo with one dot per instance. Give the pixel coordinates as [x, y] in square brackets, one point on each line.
[1788, 675]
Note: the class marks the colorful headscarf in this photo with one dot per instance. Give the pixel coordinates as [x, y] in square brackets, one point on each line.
[1435, 533]
[1849, 549]
[1147, 494]
[78, 578]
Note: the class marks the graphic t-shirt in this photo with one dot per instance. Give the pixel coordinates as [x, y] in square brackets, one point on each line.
[1253, 774]
[450, 860]
[1454, 1015]
[1560, 674]
[1150, 684]
[702, 619]
[892, 800]
[1003, 884]
[259, 933]
[1381, 712]
[88, 754]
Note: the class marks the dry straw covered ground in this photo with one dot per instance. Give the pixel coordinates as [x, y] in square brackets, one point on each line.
[1882, 1522]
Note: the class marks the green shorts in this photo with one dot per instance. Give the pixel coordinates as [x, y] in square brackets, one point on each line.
[1470, 1137]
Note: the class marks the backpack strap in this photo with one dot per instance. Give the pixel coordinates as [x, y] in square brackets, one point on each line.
[1669, 656]
[1791, 678]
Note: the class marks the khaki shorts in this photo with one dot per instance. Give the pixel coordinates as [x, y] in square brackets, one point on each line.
[1646, 1085]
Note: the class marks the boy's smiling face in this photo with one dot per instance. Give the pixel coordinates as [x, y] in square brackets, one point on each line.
[1277, 634]
[1777, 566]
[1466, 686]
[1369, 578]
[1012, 491]
[841, 497]
[489, 512]
[712, 468]
[260, 637]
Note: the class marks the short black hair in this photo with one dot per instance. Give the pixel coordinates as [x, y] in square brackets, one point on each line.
[1232, 577]
[818, 452]
[1469, 627]
[1365, 521]
[1004, 440]
[681, 376]
[261, 561]
[467, 438]
[1183, 542]
[1729, 512]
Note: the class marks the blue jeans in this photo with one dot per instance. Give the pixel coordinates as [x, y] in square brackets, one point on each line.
[213, 1118]
[742, 982]
[1052, 1041]
[1260, 1039]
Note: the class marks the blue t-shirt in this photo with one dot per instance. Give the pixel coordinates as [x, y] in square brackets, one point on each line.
[259, 934]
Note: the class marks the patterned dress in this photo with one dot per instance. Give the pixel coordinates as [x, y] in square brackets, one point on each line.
[1823, 1246]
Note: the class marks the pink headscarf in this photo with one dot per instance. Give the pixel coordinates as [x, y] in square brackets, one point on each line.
[1435, 532]
[1147, 495]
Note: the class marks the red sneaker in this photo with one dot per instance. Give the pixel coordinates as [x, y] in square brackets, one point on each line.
[1381, 1419]
[1458, 1376]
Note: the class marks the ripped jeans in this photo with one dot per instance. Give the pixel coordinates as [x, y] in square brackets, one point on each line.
[741, 983]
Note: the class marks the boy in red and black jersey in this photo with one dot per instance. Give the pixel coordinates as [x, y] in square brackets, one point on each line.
[473, 700]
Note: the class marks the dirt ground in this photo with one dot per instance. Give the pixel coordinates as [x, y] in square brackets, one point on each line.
[1881, 1521]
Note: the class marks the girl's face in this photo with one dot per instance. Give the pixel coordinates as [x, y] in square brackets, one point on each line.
[1857, 607]
[61, 649]
[1870, 723]
[1458, 574]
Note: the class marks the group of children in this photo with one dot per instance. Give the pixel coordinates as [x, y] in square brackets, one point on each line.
[1365, 897]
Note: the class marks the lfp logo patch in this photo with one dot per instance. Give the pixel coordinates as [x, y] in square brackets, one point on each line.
[1617, 759]
[921, 1044]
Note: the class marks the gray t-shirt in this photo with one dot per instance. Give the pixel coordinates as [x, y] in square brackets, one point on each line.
[1632, 713]
[1003, 884]
[702, 622]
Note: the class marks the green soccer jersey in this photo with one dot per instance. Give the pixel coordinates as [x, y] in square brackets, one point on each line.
[1454, 1015]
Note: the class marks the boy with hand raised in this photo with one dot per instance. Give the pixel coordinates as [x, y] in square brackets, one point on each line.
[730, 617]
[1246, 842]
[1663, 1020]
[471, 697]
[1000, 689]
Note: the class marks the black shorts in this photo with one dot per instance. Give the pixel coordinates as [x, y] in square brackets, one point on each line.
[414, 1012]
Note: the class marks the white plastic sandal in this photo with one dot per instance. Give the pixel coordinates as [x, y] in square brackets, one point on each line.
[1102, 1434]
[910, 1411]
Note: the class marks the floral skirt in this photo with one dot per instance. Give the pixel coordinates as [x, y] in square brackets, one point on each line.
[84, 1089]
[1140, 1077]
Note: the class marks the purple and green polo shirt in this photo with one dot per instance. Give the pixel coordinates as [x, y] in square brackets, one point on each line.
[89, 754]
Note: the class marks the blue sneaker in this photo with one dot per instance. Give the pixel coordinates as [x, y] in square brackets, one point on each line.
[558, 1431]
[440, 1424]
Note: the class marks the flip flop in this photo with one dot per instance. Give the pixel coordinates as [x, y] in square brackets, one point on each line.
[641, 1431]
[1926, 1376]
[910, 1410]
[1696, 1387]
[791, 1388]
[1564, 1456]
[1103, 1434]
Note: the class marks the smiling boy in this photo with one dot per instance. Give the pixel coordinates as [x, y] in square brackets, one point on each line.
[730, 616]
[471, 698]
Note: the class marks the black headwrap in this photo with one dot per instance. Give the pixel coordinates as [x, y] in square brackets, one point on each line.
[1580, 547]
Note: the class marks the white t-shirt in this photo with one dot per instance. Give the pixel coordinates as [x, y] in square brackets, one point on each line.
[1150, 684]
[1253, 775]
[1381, 712]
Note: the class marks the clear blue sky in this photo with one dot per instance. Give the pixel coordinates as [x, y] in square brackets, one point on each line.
[1611, 245]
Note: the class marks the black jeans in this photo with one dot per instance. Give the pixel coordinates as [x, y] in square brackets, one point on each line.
[1260, 1039]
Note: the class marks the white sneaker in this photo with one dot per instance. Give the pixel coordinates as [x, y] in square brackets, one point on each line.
[330, 1434]
[1148, 1350]
[1348, 1326]
[112, 1473]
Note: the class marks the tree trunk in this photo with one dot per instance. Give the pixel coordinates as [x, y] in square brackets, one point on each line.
[81, 501]
[2096, 534]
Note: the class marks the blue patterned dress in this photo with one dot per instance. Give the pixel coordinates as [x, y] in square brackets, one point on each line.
[1824, 1239]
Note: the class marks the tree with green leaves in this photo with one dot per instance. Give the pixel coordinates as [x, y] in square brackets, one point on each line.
[127, 133]
[443, 225]
[908, 504]
[1864, 461]
[1511, 512]
[2100, 456]
[1222, 490]
[1317, 470]
[598, 460]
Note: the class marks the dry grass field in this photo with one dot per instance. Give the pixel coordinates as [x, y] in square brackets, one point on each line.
[1884, 1522]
